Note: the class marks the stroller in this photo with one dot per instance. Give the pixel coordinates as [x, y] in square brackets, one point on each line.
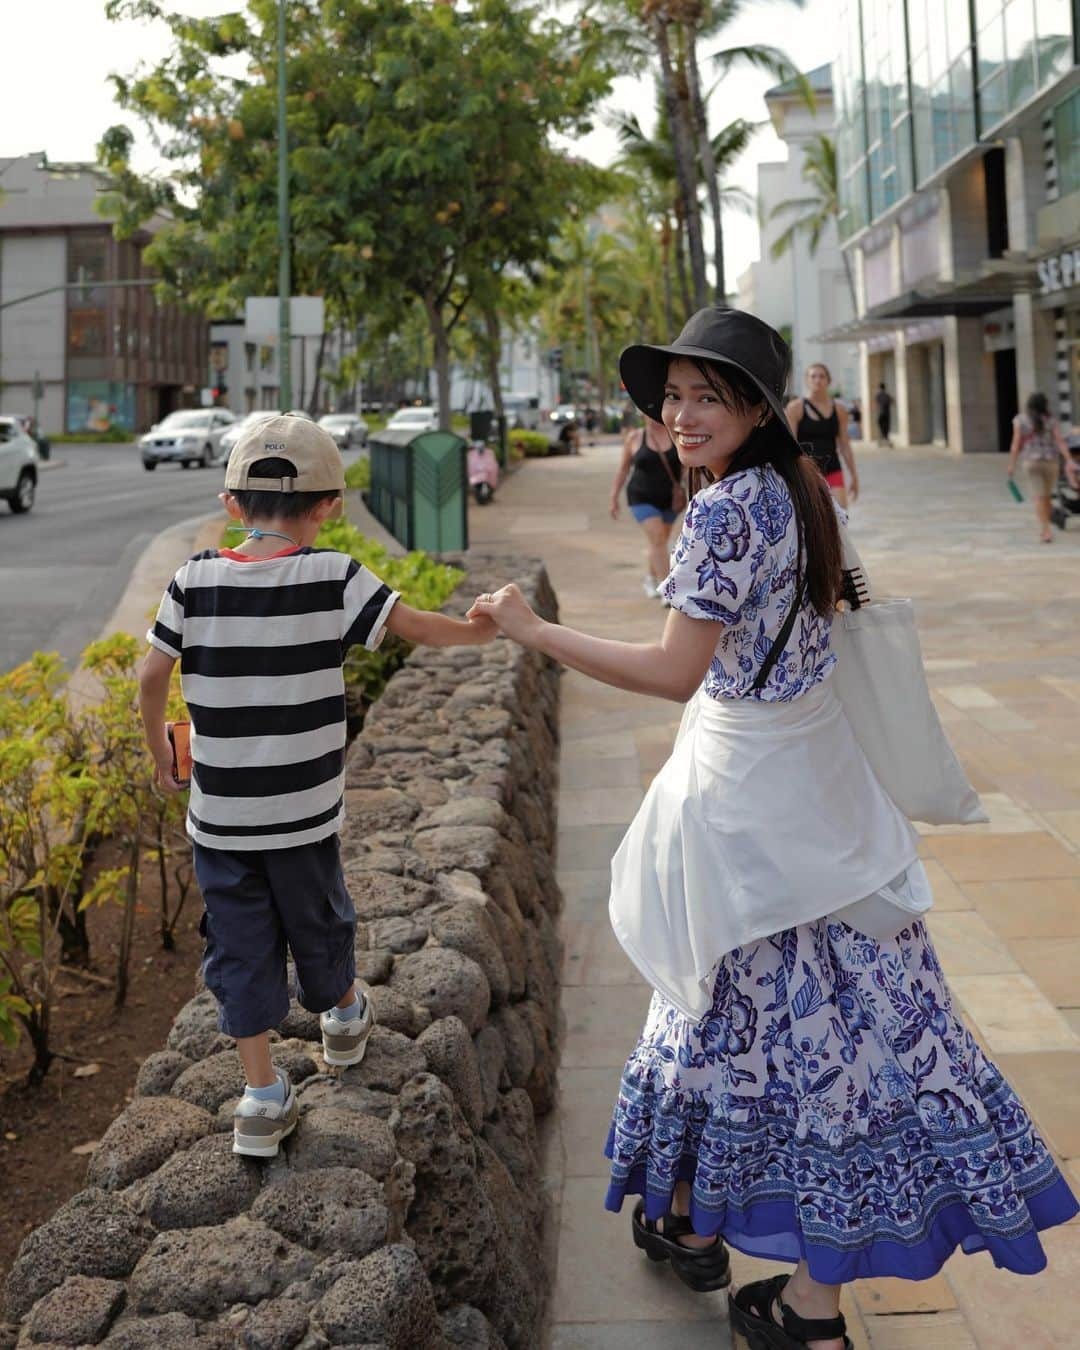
[1065, 501]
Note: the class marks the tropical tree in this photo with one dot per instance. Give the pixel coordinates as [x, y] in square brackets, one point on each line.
[419, 142]
[820, 206]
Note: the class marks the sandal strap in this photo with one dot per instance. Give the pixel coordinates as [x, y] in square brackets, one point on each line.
[811, 1328]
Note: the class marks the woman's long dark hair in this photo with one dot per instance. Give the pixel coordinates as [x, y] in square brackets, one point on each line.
[815, 514]
[1038, 409]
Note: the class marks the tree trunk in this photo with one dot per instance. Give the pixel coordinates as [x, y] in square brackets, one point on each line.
[700, 117]
[851, 283]
[680, 265]
[127, 927]
[492, 353]
[665, 254]
[440, 340]
[313, 406]
[685, 163]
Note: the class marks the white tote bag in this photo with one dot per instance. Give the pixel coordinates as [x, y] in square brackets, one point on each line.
[880, 681]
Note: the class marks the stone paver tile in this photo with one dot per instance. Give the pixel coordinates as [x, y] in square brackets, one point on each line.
[1006, 817]
[967, 945]
[641, 1336]
[579, 771]
[1072, 1174]
[1015, 1312]
[885, 1297]
[937, 665]
[603, 1025]
[922, 1331]
[599, 805]
[1072, 1016]
[1067, 823]
[1012, 1015]
[1049, 1083]
[1001, 719]
[1054, 965]
[573, 522]
[580, 742]
[586, 1102]
[584, 885]
[1028, 908]
[584, 847]
[947, 894]
[1043, 792]
[592, 955]
[983, 857]
[968, 696]
[602, 1277]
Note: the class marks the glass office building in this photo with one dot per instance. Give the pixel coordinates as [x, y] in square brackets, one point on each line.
[958, 160]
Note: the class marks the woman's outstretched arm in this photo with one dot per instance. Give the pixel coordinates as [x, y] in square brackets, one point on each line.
[672, 668]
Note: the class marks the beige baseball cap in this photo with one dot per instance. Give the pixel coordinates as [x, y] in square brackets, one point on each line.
[312, 452]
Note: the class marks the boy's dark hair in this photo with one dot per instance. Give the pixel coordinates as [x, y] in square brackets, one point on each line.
[259, 505]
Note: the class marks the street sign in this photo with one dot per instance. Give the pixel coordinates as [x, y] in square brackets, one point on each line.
[307, 316]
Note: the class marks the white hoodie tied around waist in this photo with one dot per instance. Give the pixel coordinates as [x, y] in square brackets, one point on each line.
[766, 816]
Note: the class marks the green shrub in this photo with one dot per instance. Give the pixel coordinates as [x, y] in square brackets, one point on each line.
[113, 436]
[358, 474]
[531, 444]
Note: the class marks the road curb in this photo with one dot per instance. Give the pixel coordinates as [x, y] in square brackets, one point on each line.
[48, 465]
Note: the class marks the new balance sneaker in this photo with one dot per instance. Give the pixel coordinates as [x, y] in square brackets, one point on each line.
[260, 1126]
[344, 1042]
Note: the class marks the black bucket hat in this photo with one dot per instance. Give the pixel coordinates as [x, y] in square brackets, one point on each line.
[730, 337]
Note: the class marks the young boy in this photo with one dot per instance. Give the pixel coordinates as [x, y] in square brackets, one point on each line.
[261, 632]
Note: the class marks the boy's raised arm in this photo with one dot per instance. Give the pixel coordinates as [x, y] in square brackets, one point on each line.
[438, 630]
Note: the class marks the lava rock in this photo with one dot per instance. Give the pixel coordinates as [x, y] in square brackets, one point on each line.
[466, 928]
[279, 1324]
[206, 1270]
[385, 1298]
[491, 1057]
[195, 1028]
[516, 1030]
[159, 1071]
[78, 1312]
[221, 1077]
[467, 1328]
[511, 1132]
[380, 895]
[140, 1139]
[451, 1055]
[330, 1136]
[337, 1210]
[327, 1089]
[470, 811]
[447, 983]
[469, 847]
[95, 1233]
[395, 1012]
[374, 967]
[400, 934]
[206, 1184]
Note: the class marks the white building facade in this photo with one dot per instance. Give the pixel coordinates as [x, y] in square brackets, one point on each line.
[802, 294]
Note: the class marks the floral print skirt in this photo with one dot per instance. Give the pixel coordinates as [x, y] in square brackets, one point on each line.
[832, 1107]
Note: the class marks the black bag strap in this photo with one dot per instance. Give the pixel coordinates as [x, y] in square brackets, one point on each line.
[784, 634]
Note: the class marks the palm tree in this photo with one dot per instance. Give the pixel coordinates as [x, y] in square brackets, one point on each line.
[818, 208]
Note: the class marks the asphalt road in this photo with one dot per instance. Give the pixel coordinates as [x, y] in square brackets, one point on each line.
[65, 565]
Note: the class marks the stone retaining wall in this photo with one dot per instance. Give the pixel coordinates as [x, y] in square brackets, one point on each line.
[405, 1213]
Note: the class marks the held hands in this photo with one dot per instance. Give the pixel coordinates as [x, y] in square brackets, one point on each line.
[163, 776]
[508, 609]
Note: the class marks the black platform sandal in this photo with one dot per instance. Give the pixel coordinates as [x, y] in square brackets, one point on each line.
[761, 1332]
[703, 1269]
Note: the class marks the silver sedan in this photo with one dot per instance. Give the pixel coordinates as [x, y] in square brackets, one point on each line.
[192, 436]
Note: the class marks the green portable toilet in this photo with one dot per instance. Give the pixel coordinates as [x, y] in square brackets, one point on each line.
[419, 488]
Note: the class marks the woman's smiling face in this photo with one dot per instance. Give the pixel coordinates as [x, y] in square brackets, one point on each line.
[706, 433]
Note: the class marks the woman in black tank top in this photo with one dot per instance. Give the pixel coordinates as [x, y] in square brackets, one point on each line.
[821, 425]
[651, 470]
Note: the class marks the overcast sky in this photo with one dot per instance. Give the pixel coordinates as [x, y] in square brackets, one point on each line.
[58, 54]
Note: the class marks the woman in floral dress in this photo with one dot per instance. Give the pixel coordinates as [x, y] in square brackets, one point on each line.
[804, 1089]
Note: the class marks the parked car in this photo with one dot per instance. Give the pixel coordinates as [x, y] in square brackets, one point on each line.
[191, 436]
[244, 425]
[414, 420]
[347, 429]
[18, 466]
[44, 445]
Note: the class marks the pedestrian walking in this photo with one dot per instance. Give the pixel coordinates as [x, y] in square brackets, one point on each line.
[260, 632]
[653, 475]
[820, 424]
[1040, 447]
[883, 402]
[804, 1088]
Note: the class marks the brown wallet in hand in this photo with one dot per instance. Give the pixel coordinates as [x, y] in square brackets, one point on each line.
[179, 734]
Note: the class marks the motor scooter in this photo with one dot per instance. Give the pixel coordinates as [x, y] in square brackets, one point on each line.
[483, 471]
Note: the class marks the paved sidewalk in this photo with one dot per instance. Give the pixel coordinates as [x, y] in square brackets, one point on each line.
[1000, 620]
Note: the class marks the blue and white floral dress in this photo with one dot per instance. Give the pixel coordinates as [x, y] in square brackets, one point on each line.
[822, 1098]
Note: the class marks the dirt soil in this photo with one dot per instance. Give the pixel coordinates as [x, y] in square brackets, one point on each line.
[41, 1127]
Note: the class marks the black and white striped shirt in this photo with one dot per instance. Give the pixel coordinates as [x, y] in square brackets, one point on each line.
[261, 644]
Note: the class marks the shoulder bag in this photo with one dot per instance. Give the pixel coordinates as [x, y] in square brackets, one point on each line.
[678, 492]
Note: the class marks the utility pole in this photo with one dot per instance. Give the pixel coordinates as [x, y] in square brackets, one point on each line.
[284, 278]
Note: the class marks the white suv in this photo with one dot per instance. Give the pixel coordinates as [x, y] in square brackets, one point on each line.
[18, 465]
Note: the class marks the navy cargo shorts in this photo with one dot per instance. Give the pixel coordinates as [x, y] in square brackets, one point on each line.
[262, 904]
